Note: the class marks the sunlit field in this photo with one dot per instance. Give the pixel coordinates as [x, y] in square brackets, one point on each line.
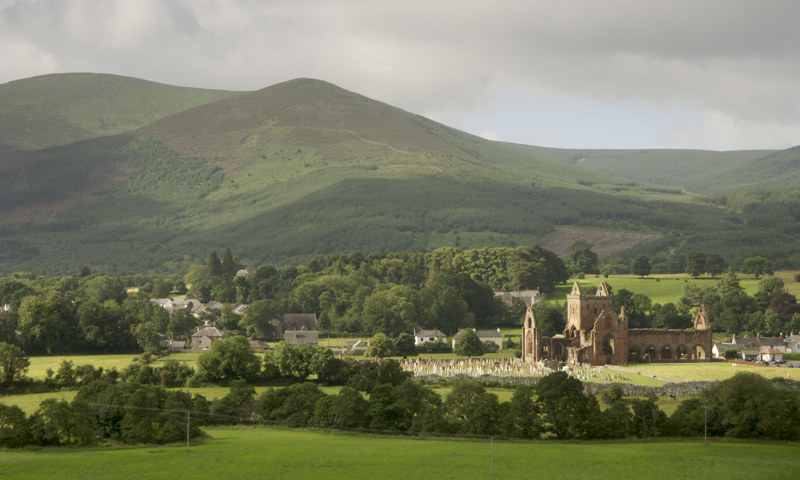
[275, 453]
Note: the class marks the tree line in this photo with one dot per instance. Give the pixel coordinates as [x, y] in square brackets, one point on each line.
[448, 289]
[135, 406]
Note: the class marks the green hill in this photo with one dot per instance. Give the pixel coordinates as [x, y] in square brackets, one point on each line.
[304, 168]
[59, 109]
[698, 171]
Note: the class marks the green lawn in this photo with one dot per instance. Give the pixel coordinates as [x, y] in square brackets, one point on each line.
[693, 372]
[285, 454]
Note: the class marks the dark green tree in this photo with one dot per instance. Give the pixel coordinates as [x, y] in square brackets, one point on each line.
[257, 319]
[521, 419]
[564, 407]
[468, 344]
[757, 266]
[641, 266]
[228, 265]
[404, 345]
[380, 346]
[13, 364]
[696, 263]
[581, 259]
[214, 265]
[471, 410]
[14, 427]
[715, 264]
[229, 359]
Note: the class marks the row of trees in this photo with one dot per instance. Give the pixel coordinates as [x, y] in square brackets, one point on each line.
[772, 310]
[447, 289]
[581, 259]
[382, 397]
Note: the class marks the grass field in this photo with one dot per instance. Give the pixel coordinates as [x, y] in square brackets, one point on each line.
[39, 365]
[663, 288]
[693, 372]
[282, 454]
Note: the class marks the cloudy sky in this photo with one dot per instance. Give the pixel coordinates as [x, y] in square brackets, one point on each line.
[710, 74]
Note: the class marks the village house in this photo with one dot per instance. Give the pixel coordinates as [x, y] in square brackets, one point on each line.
[528, 297]
[297, 328]
[428, 336]
[173, 305]
[205, 336]
[770, 355]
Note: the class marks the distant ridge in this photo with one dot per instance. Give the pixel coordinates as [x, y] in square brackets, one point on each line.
[126, 176]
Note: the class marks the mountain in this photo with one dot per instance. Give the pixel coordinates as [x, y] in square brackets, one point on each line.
[303, 168]
[53, 110]
[698, 171]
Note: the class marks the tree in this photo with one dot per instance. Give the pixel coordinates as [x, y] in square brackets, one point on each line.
[404, 345]
[47, 324]
[229, 359]
[442, 307]
[14, 428]
[391, 311]
[695, 263]
[757, 266]
[13, 364]
[522, 418]
[468, 344]
[469, 409]
[564, 406]
[380, 346]
[289, 361]
[714, 264]
[641, 266]
[228, 266]
[257, 319]
[730, 354]
[213, 264]
[581, 259]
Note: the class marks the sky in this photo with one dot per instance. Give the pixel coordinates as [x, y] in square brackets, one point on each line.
[627, 74]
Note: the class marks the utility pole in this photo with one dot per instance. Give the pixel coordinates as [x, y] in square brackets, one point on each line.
[188, 428]
[491, 456]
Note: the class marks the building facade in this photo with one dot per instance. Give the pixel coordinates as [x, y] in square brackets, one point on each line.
[596, 335]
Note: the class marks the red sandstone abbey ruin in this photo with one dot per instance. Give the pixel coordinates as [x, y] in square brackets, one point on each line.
[595, 335]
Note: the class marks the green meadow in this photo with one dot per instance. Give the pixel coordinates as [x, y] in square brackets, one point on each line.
[695, 372]
[660, 288]
[284, 454]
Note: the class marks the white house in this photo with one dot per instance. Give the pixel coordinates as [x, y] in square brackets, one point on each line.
[770, 355]
[428, 336]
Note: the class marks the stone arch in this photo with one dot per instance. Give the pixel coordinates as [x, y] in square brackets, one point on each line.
[665, 353]
[699, 353]
[558, 351]
[634, 355]
[650, 353]
[572, 332]
[682, 352]
[609, 345]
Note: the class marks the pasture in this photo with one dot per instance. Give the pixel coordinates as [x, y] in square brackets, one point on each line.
[661, 289]
[277, 453]
[694, 372]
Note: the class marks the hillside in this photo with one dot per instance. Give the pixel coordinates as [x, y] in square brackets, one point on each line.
[697, 171]
[303, 168]
[53, 110]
